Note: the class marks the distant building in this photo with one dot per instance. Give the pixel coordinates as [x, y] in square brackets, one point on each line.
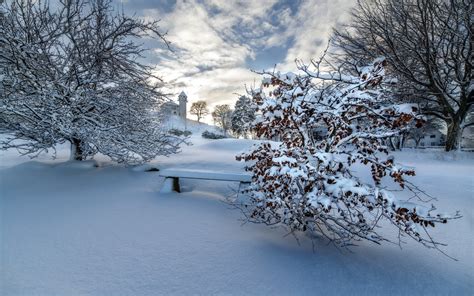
[431, 138]
[468, 137]
[183, 100]
[172, 108]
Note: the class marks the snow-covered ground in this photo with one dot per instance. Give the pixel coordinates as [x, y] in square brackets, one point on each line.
[69, 229]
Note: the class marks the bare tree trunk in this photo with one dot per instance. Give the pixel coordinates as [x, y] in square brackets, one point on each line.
[394, 143]
[390, 143]
[456, 126]
[417, 142]
[76, 150]
[401, 142]
[453, 135]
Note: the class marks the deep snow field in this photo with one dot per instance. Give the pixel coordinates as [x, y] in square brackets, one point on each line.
[77, 229]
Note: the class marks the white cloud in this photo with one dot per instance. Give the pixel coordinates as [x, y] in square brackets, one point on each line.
[206, 64]
[213, 39]
[314, 24]
[310, 28]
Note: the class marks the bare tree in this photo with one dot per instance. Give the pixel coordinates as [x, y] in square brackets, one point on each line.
[222, 116]
[72, 74]
[199, 109]
[429, 46]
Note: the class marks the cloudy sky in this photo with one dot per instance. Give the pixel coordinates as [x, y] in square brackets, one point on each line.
[217, 42]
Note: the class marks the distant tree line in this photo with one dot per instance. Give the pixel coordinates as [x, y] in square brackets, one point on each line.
[238, 121]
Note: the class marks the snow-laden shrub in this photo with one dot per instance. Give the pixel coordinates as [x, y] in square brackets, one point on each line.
[213, 136]
[180, 133]
[309, 182]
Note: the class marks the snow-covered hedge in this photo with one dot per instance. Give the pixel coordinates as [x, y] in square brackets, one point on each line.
[179, 133]
[211, 135]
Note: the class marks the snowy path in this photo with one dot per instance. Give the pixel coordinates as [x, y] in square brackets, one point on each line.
[67, 230]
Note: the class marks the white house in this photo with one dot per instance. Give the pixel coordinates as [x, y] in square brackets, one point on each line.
[429, 138]
[468, 137]
[433, 139]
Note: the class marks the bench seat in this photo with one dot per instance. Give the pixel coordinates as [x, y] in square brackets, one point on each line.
[172, 176]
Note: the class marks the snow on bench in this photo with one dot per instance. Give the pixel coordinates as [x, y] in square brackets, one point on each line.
[172, 176]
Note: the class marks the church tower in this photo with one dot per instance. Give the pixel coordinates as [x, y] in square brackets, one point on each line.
[183, 99]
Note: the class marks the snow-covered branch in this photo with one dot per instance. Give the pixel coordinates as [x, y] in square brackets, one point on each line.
[308, 181]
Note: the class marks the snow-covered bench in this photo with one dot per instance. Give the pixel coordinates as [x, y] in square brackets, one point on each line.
[172, 176]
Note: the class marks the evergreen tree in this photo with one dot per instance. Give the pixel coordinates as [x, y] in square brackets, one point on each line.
[243, 117]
